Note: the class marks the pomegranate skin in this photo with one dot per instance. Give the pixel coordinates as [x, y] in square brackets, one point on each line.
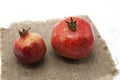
[73, 43]
[29, 48]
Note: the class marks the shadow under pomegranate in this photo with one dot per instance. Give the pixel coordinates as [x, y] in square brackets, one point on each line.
[71, 61]
[31, 66]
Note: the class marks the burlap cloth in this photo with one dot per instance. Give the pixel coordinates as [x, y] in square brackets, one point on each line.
[98, 66]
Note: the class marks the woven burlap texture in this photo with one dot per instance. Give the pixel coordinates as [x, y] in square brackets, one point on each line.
[97, 66]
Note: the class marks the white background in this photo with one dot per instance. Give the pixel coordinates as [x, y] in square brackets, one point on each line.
[104, 13]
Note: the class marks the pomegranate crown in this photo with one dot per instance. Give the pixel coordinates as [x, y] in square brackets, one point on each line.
[71, 24]
[24, 31]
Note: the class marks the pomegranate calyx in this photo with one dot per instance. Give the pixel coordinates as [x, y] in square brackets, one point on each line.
[71, 24]
[24, 31]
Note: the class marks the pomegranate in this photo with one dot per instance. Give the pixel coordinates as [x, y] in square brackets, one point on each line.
[73, 38]
[29, 47]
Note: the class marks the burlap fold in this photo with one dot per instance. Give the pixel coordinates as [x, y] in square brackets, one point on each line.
[98, 66]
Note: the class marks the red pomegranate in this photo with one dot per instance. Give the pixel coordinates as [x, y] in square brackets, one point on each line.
[29, 47]
[73, 38]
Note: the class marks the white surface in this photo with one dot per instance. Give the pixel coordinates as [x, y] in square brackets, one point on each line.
[104, 13]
